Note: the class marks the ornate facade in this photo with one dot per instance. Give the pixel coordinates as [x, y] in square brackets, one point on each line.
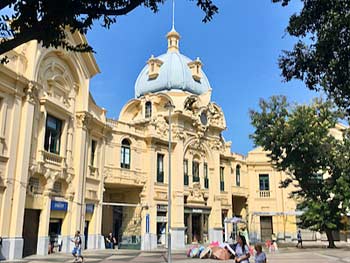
[65, 166]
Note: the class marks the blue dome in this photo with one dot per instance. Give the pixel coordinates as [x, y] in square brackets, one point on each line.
[174, 74]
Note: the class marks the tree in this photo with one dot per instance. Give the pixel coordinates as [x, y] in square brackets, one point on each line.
[47, 20]
[321, 55]
[299, 142]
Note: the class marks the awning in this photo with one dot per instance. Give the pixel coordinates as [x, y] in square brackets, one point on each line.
[287, 213]
[234, 220]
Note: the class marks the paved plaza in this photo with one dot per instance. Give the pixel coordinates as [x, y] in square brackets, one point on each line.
[309, 254]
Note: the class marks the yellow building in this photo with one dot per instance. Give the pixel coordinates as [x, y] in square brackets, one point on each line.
[65, 166]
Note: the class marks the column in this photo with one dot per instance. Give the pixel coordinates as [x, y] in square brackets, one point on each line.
[177, 202]
[44, 221]
[149, 240]
[215, 224]
[77, 209]
[201, 224]
[189, 228]
[5, 218]
[95, 238]
[21, 174]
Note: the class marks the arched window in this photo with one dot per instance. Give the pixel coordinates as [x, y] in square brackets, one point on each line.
[148, 109]
[238, 175]
[125, 154]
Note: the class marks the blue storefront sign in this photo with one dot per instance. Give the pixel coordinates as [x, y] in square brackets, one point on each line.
[147, 223]
[89, 208]
[59, 205]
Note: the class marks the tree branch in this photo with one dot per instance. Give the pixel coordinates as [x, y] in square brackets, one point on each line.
[5, 3]
[9, 44]
[111, 12]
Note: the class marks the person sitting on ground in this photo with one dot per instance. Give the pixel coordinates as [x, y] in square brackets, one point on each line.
[242, 250]
[111, 241]
[260, 256]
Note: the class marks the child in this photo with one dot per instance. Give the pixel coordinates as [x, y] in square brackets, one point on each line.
[260, 257]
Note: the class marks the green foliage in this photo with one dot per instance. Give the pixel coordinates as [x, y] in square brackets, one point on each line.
[321, 55]
[47, 20]
[298, 141]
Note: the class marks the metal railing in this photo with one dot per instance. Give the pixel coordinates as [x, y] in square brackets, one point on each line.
[265, 194]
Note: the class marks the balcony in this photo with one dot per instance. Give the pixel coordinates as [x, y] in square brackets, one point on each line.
[114, 175]
[264, 194]
[240, 191]
[52, 158]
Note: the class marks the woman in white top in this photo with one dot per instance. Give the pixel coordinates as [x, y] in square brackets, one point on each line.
[242, 250]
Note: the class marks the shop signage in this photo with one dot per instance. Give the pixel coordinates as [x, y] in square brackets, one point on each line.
[162, 208]
[89, 209]
[162, 219]
[147, 223]
[59, 205]
[189, 210]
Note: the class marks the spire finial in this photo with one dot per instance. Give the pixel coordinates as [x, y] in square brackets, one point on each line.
[173, 26]
[173, 36]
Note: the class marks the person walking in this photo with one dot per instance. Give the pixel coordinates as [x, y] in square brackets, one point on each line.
[300, 240]
[274, 246]
[52, 239]
[242, 250]
[76, 252]
[260, 256]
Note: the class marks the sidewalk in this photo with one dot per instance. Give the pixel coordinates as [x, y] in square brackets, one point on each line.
[313, 252]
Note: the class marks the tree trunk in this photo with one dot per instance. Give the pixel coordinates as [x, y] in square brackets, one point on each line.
[330, 238]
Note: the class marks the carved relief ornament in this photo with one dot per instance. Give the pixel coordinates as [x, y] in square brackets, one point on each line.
[196, 195]
[83, 119]
[31, 92]
[160, 125]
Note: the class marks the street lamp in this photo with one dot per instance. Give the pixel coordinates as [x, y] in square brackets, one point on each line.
[169, 106]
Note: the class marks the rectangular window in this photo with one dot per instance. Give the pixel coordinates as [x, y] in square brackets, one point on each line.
[222, 179]
[93, 152]
[206, 178]
[1, 117]
[160, 168]
[57, 187]
[186, 172]
[238, 175]
[148, 109]
[52, 134]
[264, 183]
[195, 171]
[125, 157]
[34, 185]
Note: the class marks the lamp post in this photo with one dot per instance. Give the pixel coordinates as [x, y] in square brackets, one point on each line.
[169, 106]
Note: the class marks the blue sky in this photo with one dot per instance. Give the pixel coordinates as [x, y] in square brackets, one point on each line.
[239, 49]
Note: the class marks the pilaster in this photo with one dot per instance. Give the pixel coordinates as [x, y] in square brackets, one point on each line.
[80, 167]
[215, 223]
[44, 221]
[21, 172]
[6, 206]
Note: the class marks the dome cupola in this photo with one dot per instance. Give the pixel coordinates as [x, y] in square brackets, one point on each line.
[172, 71]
